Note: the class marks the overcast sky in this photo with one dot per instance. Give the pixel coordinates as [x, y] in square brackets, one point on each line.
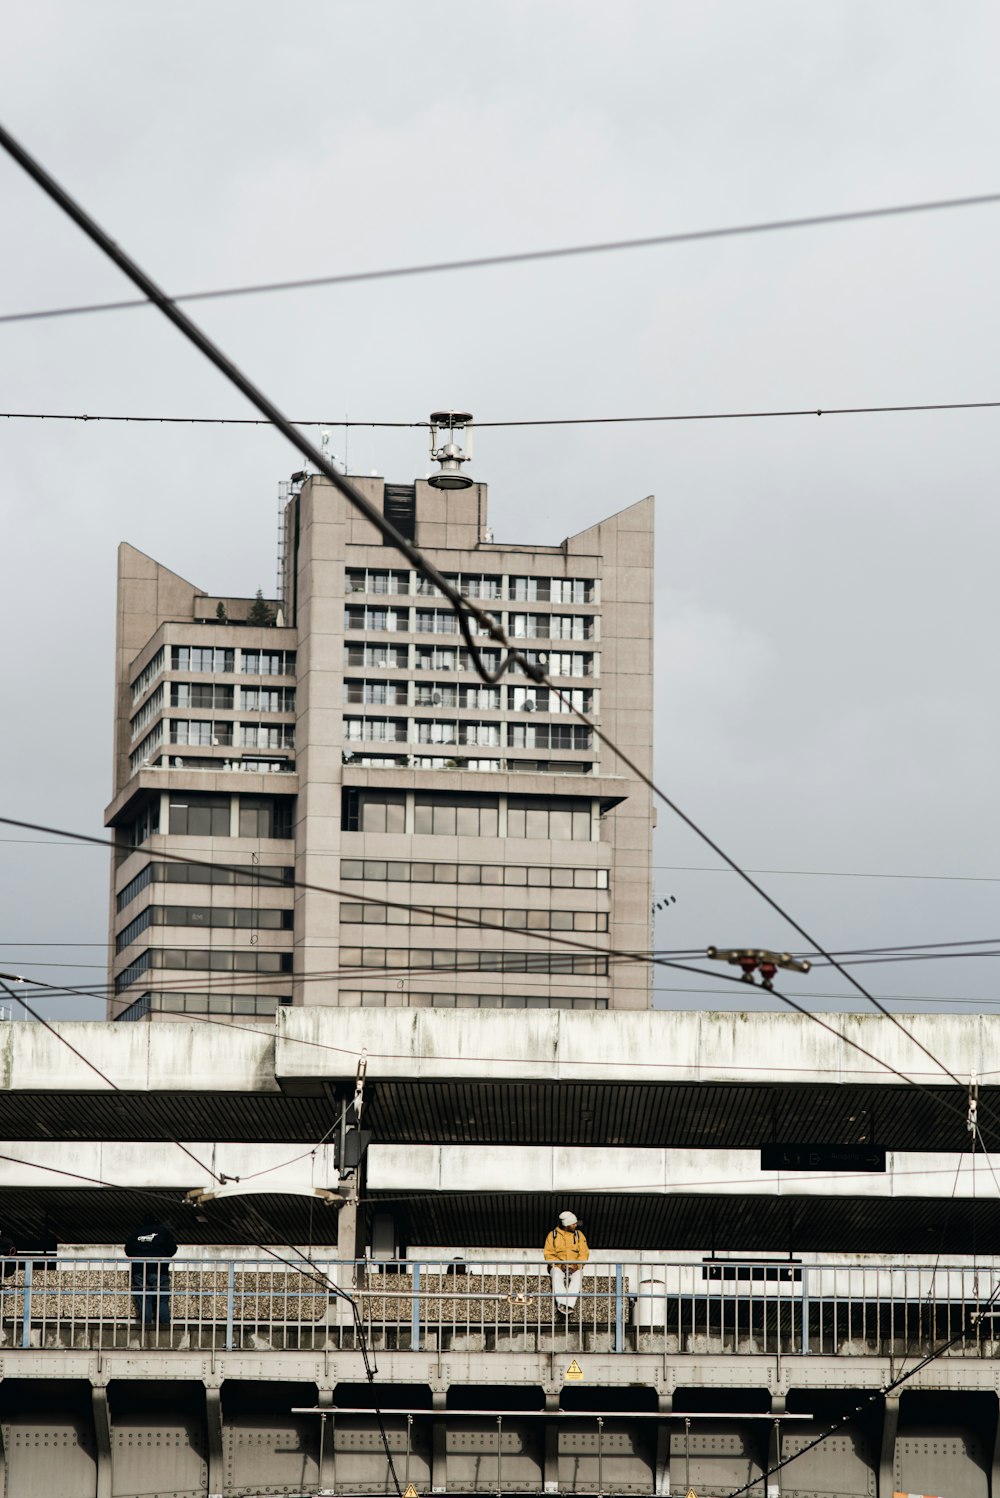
[827, 599]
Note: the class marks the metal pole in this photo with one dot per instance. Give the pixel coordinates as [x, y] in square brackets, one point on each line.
[499, 1456]
[600, 1457]
[406, 1463]
[415, 1310]
[687, 1454]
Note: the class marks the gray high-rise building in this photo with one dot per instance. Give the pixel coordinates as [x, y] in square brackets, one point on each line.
[339, 762]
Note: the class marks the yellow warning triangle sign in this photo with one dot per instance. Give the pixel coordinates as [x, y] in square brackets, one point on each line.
[691, 1493]
[574, 1371]
[411, 1491]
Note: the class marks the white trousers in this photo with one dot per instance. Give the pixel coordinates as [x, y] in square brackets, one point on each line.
[566, 1280]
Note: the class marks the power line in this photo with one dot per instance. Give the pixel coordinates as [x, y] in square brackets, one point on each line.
[695, 868]
[517, 257]
[547, 421]
[671, 868]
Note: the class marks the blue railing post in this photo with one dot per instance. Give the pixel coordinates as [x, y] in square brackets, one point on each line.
[805, 1311]
[415, 1311]
[26, 1319]
[230, 1305]
[619, 1311]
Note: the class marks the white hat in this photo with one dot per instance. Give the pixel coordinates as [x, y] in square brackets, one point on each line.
[568, 1219]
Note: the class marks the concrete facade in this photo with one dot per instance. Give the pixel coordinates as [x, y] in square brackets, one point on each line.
[351, 747]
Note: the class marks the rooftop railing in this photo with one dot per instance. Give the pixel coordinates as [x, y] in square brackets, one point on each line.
[716, 1306]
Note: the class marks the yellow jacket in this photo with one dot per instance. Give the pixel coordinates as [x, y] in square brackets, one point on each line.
[566, 1245]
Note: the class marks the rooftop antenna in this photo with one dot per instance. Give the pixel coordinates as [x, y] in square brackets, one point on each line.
[448, 452]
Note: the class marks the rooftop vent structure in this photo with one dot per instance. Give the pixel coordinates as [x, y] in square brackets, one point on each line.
[448, 452]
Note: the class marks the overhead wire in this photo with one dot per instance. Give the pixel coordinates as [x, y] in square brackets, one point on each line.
[673, 868]
[517, 257]
[548, 421]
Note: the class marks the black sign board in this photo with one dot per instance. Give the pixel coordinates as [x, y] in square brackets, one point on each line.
[821, 1157]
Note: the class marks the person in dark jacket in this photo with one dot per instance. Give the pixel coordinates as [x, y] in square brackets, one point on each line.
[149, 1247]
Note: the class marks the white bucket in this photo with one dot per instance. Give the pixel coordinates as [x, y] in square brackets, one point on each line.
[650, 1307]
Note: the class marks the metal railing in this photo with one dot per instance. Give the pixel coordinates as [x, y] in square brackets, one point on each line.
[709, 1306]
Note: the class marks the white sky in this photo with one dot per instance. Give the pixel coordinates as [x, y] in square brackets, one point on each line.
[827, 603]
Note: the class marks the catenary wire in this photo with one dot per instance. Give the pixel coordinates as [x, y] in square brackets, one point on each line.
[520, 257]
[549, 421]
[907, 950]
[674, 868]
[463, 608]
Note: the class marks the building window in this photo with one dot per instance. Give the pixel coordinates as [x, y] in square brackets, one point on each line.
[203, 694]
[541, 700]
[135, 928]
[193, 731]
[134, 887]
[378, 693]
[373, 811]
[148, 675]
[457, 816]
[143, 753]
[134, 971]
[200, 658]
[558, 663]
[267, 662]
[381, 619]
[436, 622]
[195, 814]
[266, 816]
[552, 589]
[500, 960]
[219, 960]
[259, 876]
[475, 584]
[407, 871]
[266, 699]
[147, 712]
[267, 736]
[551, 626]
[548, 736]
[372, 913]
[378, 730]
[377, 580]
[384, 657]
[393, 998]
[532, 816]
[265, 877]
[240, 918]
[131, 835]
[436, 694]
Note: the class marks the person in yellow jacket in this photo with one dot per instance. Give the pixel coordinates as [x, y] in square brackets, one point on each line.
[566, 1252]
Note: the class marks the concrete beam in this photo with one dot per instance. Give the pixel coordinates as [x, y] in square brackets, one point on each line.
[681, 1172]
[137, 1058]
[323, 1043]
[624, 1046]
